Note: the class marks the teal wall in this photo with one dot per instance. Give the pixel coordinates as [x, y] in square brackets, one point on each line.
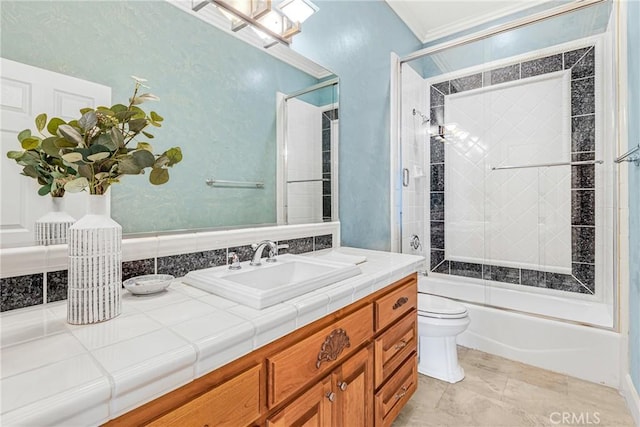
[217, 95]
[633, 72]
[354, 39]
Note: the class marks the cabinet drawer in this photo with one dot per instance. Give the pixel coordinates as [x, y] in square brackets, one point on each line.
[232, 403]
[394, 346]
[395, 304]
[396, 392]
[293, 367]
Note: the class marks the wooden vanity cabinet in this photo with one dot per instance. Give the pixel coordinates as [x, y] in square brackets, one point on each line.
[232, 403]
[356, 367]
[343, 398]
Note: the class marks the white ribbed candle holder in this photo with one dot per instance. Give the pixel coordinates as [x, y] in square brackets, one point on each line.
[52, 228]
[95, 265]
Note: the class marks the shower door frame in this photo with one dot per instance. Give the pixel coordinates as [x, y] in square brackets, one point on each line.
[396, 131]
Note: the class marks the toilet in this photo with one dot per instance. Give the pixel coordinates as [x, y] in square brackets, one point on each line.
[440, 320]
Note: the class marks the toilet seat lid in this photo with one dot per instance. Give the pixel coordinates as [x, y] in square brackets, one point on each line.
[438, 305]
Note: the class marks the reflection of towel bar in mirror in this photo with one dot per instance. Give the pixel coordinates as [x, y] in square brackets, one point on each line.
[222, 183]
[308, 180]
[544, 165]
[626, 156]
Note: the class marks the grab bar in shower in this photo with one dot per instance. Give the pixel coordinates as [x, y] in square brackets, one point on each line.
[222, 183]
[544, 165]
[626, 156]
[309, 180]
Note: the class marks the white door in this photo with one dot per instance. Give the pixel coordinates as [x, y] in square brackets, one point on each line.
[26, 92]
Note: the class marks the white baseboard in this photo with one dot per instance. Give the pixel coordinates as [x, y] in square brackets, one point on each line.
[631, 396]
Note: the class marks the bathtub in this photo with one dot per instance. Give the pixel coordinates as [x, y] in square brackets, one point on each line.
[536, 328]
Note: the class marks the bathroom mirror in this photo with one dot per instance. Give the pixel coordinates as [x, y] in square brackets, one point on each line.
[218, 97]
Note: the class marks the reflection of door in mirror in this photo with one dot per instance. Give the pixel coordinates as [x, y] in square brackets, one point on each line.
[310, 139]
[26, 92]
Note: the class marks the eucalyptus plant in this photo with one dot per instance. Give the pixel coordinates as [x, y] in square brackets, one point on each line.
[96, 150]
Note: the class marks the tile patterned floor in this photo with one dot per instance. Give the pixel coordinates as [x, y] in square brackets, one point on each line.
[501, 392]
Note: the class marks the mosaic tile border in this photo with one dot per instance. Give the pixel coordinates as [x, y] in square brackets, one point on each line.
[28, 290]
[581, 63]
[327, 117]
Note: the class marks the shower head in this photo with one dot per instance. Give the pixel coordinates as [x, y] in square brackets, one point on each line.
[417, 112]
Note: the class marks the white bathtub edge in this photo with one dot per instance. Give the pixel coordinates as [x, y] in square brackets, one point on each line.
[631, 396]
[584, 352]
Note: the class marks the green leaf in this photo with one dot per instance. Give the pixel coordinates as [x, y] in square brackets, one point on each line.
[72, 157]
[24, 135]
[138, 112]
[63, 143]
[49, 146]
[118, 108]
[106, 111]
[44, 190]
[106, 140]
[125, 116]
[70, 134]
[158, 176]
[86, 171]
[136, 125]
[174, 154]
[15, 155]
[148, 135]
[98, 156]
[144, 146]
[127, 165]
[117, 137]
[156, 124]
[52, 127]
[30, 143]
[41, 121]
[76, 185]
[144, 158]
[156, 117]
[85, 110]
[88, 120]
[30, 170]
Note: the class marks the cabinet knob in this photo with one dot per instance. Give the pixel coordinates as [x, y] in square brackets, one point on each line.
[402, 392]
[331, 396]
[342, 385]
[402, 344]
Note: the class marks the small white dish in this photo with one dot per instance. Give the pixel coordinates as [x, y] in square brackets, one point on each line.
[149, 284]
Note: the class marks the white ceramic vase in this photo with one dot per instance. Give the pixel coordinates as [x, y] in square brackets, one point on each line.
[95, 265]
[52, 228]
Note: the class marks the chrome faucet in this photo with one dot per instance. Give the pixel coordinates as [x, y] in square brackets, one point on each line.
[259, 247]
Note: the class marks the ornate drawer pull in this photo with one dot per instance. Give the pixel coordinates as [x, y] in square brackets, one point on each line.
[332, 346]
[402, 344]
[401, 301]
[331, 396]
[342, 385]
[402, 393]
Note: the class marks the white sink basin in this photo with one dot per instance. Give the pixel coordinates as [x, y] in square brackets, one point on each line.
[263, 286]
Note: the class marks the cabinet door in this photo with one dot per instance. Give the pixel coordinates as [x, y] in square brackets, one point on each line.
[353, 383]
[233, 403]
[312, 409]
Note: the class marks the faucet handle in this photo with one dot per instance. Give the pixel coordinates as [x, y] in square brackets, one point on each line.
[235, 261]
[273, 251]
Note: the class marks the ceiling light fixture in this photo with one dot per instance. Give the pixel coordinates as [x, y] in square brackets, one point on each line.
[273, 25]
[297, 10]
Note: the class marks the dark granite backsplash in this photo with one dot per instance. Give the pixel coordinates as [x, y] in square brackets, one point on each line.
[28, 290]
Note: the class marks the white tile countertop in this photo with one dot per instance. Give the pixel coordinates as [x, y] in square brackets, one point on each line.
[54, 373]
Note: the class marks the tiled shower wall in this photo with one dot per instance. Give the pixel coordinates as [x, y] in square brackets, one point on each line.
[29, 289]
[580, 63]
